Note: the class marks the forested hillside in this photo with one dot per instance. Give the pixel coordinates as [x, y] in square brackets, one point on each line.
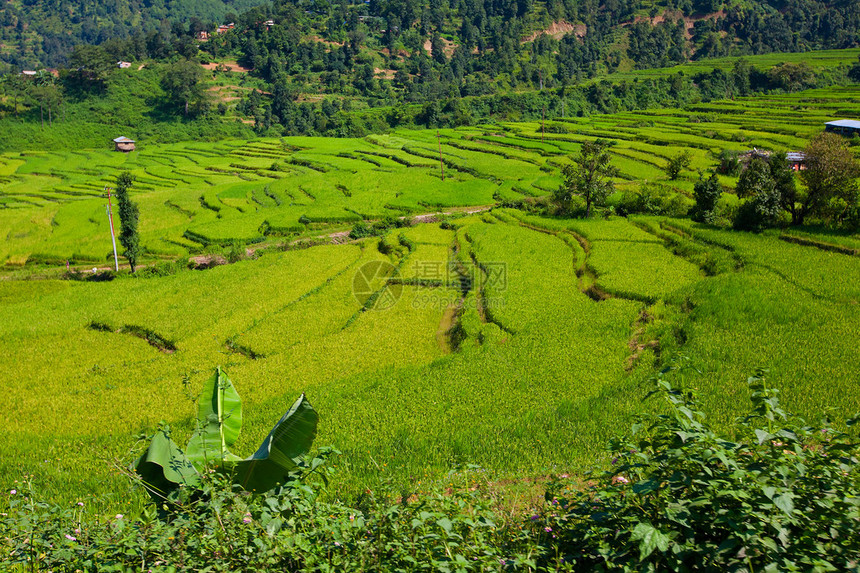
[310, 67]
[36, 33]
[649, 33]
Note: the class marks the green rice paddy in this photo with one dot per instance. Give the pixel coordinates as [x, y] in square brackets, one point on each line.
[515, 342]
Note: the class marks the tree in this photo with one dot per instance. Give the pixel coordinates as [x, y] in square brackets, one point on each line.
[89, 67]
[830, 177]
[182, 83]
[784, 182]
[791, 77]
[706, 192]
[764, 204]
[678, 163]
[128, 216]
[588, 176]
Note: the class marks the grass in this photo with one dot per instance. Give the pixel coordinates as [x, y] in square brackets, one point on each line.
[526, 370]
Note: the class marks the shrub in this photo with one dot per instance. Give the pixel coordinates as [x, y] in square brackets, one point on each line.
[707, 193]
[360, 230]
[678, 163]
[727, 162]
[782, 496]
[652, 199]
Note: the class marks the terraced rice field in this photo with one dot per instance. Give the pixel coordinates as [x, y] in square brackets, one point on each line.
[198, 196]
[516, 342]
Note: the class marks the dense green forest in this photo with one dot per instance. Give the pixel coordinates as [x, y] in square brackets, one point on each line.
[268, 75]
[463, 38]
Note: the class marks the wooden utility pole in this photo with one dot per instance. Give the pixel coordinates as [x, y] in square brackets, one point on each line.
[112, 236]
[441, 163]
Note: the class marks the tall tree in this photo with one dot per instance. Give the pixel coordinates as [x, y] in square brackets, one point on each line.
[763, 204]
[784, 182]
[182, 82]
[588, 176]
[707, 193]
[830, 177]
[128, 216]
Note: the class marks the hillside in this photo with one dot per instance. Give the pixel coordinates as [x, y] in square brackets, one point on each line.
[41, 33]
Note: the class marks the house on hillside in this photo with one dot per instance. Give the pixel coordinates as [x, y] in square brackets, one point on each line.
[123, 144]
[202, 35]
[796, 160]
[225, 28]
[123, 65]
[847, 127]
[755, 153]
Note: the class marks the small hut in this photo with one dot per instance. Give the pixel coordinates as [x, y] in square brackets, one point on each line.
[124, 144]
[796, 160]
[847, 127]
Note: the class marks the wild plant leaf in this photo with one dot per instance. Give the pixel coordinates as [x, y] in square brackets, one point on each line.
[219, 419]
[163, 467]
[291, 438]
[785, 502]
[762, 436]
[650, 538]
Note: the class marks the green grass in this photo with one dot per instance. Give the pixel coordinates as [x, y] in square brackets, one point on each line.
[551, 347]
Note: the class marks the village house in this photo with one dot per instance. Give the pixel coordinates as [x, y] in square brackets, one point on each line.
[225, 28]
[847, 127]
[123, 65]
[123, 144]
[202, 35]
[796, 160]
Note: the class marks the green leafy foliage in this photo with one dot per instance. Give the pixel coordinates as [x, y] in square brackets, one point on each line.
[831, 179]
[678, 163]
[163, 467]
[764, 203]
[779, 496]
[706, 193]
[589, 176]
[128, 216]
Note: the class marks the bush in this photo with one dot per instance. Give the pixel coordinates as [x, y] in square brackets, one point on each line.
[782, 496]
[652, 199]
[678, 163]
[707, 193]
[727, 162]
[360, 230]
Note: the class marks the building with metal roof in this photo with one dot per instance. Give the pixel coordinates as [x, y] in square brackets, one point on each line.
[843, 126]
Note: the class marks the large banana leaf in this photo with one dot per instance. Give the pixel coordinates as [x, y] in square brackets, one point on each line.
[291, 438]
[163, 467]
[219, 421]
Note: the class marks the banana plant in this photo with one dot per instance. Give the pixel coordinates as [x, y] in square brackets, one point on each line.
[163, 467]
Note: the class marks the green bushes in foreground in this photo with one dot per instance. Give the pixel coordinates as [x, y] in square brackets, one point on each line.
[780, 495]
